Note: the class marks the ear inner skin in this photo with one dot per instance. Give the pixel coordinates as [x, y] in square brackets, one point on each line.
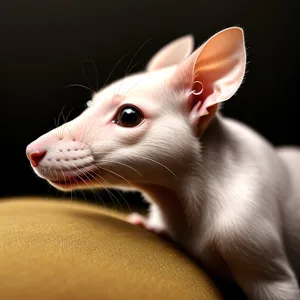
[205, 120]
[196, 102]
[217, 68]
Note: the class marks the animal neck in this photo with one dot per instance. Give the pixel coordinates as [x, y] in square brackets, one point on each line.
[171, 204]
[189, 197]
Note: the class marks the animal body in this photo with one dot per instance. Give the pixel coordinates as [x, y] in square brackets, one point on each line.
[214, 185]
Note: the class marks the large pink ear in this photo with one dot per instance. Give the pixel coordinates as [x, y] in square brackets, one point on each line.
[172, 54]
[213, 73]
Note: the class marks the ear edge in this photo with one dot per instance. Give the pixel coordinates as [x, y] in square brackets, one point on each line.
[243, 59]
[196, 53]
[238, 30]
[187, 41]
[190, 41]
[211, 105]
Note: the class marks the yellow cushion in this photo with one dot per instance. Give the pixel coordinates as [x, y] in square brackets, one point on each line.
[55, 249]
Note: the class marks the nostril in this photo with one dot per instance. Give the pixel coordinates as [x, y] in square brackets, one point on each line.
[36, 157]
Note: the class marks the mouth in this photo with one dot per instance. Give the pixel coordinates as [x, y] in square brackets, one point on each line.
[76, 181]
[70, 180]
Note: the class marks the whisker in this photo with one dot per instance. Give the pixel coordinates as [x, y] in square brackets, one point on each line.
[65, 180]
[115, 174]
[55, 174]
[81, 190]
[113, 70]
[56, 126]
[92, 138]
[132, 67]
[125, 93]
[89, 187]
[107, 190]
[58, 121]
[114, 189]
[136, 53]
[109, 193]
[80, 85]
[66, 126]
[127, 69]
[124, 78]
[55, 122]
[97, 74]
[165, 167]
[146, 158]
[75, 182]
[69, 114]
[82, 137]
[115, 162]
[86, 78]
[129, 208]
[86, 132]
[60, 114]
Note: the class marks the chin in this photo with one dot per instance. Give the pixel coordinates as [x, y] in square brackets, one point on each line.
[76, 183]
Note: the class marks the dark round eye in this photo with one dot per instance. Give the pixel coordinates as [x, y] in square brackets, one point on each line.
[129, 116]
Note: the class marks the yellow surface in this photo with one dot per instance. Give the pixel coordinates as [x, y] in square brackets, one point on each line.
[54, 249]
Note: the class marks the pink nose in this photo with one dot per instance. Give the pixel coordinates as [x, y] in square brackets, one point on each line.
[36, 157]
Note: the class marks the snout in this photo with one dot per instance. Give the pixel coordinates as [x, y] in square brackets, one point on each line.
[60, 159]
[60, 154]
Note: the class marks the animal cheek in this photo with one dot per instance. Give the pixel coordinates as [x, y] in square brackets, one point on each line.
[95, 135]
[90, 128]
[132, 135]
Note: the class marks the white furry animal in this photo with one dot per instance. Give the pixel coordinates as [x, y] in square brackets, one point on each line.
[215, 186]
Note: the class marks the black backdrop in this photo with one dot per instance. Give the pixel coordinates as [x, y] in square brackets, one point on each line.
[43, 45]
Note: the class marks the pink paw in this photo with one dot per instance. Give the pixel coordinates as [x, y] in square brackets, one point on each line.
[139, 220]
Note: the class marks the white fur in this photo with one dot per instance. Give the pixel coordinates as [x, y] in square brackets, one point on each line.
[229, 197]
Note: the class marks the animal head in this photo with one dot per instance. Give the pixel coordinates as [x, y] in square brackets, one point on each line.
[145, 128]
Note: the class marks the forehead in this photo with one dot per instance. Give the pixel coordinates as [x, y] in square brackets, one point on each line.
[141, 85]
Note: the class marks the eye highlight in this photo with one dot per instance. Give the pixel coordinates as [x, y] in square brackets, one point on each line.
[129, 116]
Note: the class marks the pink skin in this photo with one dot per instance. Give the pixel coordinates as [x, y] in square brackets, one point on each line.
[93, 151]
[77, 154]
[139, 220]
[194, 166]
[66, 156]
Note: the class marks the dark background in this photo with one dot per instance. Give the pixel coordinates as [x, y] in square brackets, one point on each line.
[47, 45]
